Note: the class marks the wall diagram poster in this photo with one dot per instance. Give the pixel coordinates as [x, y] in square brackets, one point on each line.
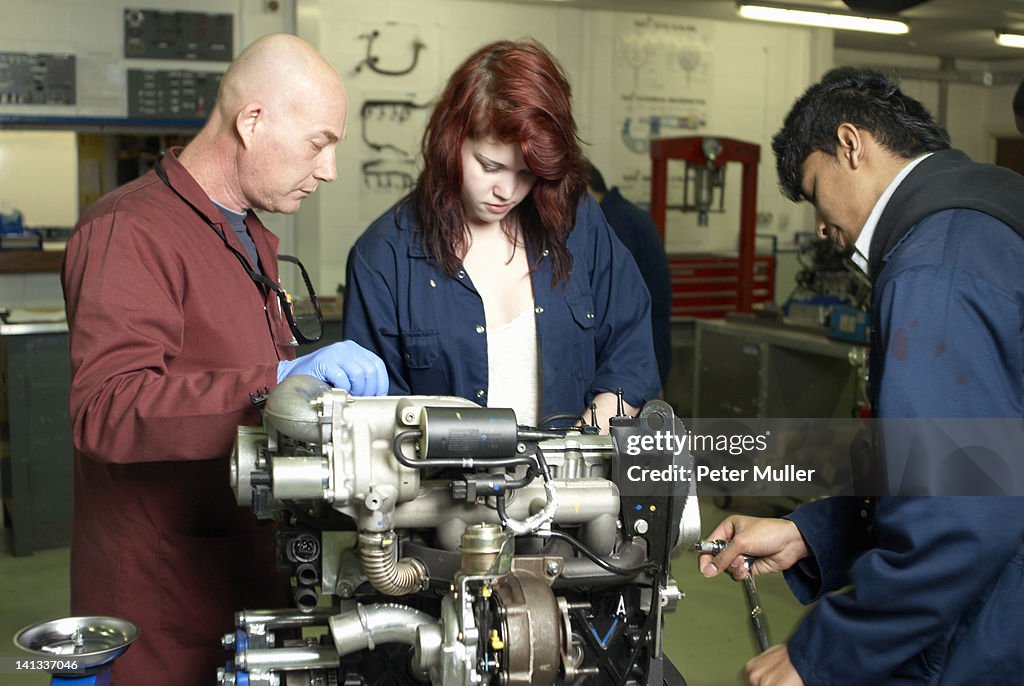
[390, 126]
[391, 80]
[662, 85]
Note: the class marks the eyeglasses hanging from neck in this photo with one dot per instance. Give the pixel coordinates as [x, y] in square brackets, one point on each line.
[303, 313]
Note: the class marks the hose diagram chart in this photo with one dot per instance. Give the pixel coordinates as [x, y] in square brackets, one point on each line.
[662, 83]
[392, 115]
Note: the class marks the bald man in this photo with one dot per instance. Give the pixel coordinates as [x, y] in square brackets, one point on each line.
[172, 302]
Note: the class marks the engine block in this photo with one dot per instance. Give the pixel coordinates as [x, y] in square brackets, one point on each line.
[430, 540]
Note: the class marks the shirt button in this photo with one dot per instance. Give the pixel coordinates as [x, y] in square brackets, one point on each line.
[480, 393]
[590, 315]
[545, 252]
[480, 328]
[462, 273]
[432, 284]
[538, 309]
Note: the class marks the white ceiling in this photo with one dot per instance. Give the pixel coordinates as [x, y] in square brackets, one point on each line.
[963, 29]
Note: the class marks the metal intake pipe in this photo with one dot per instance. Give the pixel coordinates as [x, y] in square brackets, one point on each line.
[286, 659]
[369, 625]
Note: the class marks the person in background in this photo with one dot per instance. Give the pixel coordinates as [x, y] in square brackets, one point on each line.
[175, 321]
[498, 278]
[638, 232]
[934, 583]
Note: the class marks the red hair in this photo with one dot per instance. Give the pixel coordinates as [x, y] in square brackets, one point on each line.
[513, 92]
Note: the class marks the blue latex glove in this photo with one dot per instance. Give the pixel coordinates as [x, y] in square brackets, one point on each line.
[344, 365]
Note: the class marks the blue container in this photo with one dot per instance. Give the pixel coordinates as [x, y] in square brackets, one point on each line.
[849, 324]
[12, 222]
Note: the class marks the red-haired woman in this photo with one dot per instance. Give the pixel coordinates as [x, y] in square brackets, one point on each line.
[498, 279]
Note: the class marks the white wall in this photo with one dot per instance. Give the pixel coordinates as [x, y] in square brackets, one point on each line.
[39, 170]
[747, 79]
[976, 113]
[39, 176]
[92, 30]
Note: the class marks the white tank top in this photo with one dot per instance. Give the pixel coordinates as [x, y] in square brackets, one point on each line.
[513, 375]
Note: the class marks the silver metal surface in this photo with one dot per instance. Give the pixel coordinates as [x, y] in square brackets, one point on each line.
[757, 618]
[502, 617]
[29, 328]
[92, 641]
[286, 659]
[370, 625]
[293, 408]
[301, 478]
[758, 623]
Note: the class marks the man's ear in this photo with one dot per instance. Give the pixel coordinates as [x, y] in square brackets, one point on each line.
[850, 148]
[247, 122]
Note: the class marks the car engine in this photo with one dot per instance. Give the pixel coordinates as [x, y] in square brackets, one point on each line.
[431, 540]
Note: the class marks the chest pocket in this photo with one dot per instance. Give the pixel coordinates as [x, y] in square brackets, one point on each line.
[426, 367]
[420, 349]
[580, 340]
[582, 308]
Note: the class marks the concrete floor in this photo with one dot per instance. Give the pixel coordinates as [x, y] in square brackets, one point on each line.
[707, 637]
[32, 589]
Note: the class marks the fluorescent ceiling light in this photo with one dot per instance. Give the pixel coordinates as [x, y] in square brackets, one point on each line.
[847, 22]
[1010, 40]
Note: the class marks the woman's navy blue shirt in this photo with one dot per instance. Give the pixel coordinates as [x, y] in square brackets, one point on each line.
[593, 331]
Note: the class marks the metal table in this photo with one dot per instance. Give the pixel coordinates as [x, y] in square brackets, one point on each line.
[750, 369]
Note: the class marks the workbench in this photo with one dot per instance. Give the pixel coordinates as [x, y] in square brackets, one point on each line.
[745, 367]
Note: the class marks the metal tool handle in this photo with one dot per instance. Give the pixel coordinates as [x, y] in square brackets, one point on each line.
[757, 618]
[758, 621]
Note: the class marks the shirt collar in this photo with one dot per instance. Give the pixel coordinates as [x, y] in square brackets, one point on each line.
[229, 213]
[860, 248]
